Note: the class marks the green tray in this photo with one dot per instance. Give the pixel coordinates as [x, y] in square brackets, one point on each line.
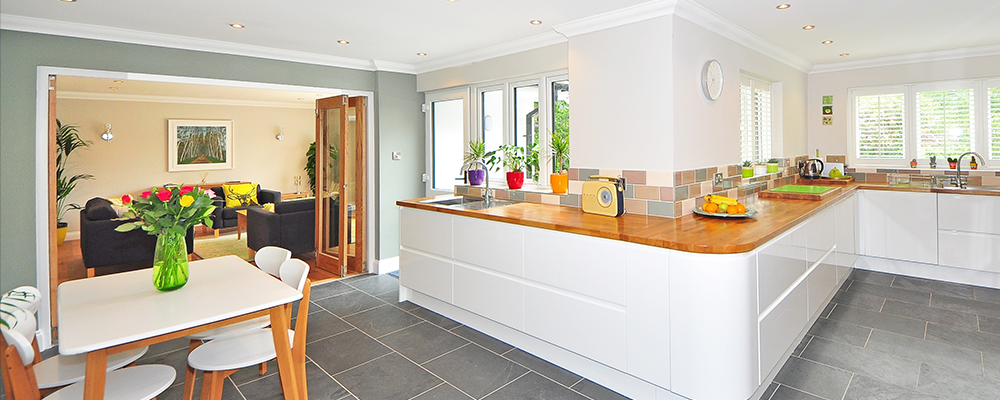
[807, 189]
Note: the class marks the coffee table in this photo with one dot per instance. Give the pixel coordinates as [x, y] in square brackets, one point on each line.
[241, 222]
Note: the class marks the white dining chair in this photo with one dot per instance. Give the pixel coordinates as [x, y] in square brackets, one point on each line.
[27, 298]
[270, 258]
[136, 383]
[57, 371]
[221, 358]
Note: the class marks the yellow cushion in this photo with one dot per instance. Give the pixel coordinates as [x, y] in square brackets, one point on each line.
[268, 207]
[240, 195]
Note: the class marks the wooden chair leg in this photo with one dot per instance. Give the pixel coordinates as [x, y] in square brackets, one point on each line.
[212, 383]
[189, 374]
[216, 232]
[90, 272]
[262, 368]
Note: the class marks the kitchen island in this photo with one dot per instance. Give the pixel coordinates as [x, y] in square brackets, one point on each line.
[654, 308]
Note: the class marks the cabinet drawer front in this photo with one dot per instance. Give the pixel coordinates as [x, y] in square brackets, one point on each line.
[426, 231]
[494, 245]
[977, 251]
[590, 266]
[780, 327]
[427, 275]
[822, 282]
[491, 296]
[969, 213]
[899, 225]
[821, 232]
[585, 328]
[778, 265]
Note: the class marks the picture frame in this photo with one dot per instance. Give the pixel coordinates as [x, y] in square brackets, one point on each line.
[199, 145]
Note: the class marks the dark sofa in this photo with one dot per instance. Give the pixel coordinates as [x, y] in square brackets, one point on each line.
[102, 247]
[226, 217]
[292, 226]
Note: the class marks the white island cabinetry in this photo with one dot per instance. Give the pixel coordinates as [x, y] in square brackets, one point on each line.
[969, 231]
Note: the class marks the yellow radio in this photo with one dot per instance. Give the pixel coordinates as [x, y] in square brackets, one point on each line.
[604, 195]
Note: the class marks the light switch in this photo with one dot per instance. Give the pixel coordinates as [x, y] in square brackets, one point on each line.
[396, 155]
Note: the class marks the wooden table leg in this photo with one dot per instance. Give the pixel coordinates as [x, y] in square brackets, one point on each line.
[97, 370]
[290, 381]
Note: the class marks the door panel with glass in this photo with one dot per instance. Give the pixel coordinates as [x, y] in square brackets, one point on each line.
[340, 184]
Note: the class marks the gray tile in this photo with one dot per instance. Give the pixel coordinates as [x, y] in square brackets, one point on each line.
[408, 305]
[987, 294]
[827, 310]
[970, 340]
[329, 289]
[932, 286]
[176, 359]
[391, 378]
[783, 392]
[700, 175]
[969, 306]
[802, 345]
[936, 315]
[435, 318]
[319, 384]
[547, 369]
[482, 339]
[839, 331]
[585, 173]
[874, 277]
[891, 292]
[991, 366]
[680, 192]
[391, 297]
[886, 322]
[376, 284]
[176, 392]
[154, 349]
[323, 325]
[866, 301]
[532, 386]
[812, 377]
[881, 366]
[423, 342]
[769, 391]
[349, 303]
[989, 324]
[252, 373]
[516, 195]
[475, 370]
[596, 392]
[865, 388]
[925, 351]
[950, 384]
[382, 320]
[346, 350]
[443, 391]
[572, 200]
[660, 208]
[629, 191]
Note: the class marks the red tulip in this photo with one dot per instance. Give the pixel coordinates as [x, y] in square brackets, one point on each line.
[186, 190]
[146, 194]
[209, 193]
[126, 199]
[163, 195]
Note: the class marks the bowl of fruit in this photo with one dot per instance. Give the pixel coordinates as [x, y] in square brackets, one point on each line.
[724, 207]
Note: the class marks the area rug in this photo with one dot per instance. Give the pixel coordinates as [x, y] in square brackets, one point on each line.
[224, 245]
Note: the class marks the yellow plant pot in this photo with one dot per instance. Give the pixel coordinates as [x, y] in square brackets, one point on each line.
[559, 183]
[61, 230]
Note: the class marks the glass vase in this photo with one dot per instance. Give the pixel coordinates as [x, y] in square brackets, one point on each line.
[170, 262]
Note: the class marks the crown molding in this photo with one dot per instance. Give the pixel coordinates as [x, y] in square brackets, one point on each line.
[931, 56]
[611, 19]
[61, 28]
[486, 53]
[707, 19]
[394, 67]
[141, 98]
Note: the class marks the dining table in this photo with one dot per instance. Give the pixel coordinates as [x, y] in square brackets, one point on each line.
[113, 313]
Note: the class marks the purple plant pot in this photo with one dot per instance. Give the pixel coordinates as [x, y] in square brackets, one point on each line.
[477, 176]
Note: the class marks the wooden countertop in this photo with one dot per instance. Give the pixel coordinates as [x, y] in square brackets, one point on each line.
[692, 233]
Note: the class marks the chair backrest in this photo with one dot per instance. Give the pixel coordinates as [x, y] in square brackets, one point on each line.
[270, 258]
[18, 320]
[17, 356]
[27, 298]
[294, 272]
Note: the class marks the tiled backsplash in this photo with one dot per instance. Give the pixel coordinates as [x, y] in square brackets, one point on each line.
[881, 175]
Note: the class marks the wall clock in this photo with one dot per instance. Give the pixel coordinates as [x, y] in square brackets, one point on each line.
[711, 79]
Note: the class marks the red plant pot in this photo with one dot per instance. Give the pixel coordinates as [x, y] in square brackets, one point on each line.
[952, 165]
[515, 180]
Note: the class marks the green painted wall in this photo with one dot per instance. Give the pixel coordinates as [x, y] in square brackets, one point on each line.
[23, 52]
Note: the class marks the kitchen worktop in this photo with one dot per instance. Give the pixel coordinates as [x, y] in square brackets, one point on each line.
[690, 233]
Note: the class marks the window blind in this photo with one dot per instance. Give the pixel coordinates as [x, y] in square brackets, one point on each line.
[994, 104]
[880, 121]
[945, 122]
[755, 119]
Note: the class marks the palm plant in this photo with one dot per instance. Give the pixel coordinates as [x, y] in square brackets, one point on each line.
[311, 164]
[560, 150]
[67, 140]
[477, 152]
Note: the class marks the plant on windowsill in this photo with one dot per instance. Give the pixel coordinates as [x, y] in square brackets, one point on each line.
[760, 168]
[67, 140]
[913, 163]
[477, 152]
[773, 166]
[513, 162]
[952, 162]
[933, 162]
[747, 169]
[559, 180]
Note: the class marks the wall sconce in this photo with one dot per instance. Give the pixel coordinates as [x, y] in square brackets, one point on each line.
[281, 134]
[107, 135]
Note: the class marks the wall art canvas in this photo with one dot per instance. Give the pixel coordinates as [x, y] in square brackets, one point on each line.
[199, 145]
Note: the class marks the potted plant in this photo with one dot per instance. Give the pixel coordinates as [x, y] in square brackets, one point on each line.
[952, 162]
[747, 169]
[311, 164]
[759, 169]
[773, 166]
[913, 163]
[67, 140]
[933, 162]
[477, 152]
[513, 162]
[559, 180]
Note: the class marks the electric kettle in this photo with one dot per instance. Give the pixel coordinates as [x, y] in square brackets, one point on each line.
[811, 168]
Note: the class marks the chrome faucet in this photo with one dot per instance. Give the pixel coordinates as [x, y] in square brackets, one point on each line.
[958, 170]
[465, 167]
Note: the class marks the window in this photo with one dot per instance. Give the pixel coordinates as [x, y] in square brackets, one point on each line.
[526, 126]
[755, 119]
[994, 122]
[560, 115]
[879, 125]
[447, 127]
[945, 122]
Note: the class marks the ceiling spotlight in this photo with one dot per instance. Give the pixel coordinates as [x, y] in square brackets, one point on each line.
[844, 54]
[300, 99]
[237, 26]
[827, 42]
[809, 27]
[535, 22]
[118, 81]
[68, 1]
[783, 6]
[422, 54]
[342, 41]
[113, 87]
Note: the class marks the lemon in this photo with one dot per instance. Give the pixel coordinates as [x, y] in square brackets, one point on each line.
[835, 173]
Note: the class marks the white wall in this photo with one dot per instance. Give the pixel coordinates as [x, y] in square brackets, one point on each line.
[530, 62]
[835, 139]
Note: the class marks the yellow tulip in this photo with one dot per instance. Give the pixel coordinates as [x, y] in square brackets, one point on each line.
[187, 200]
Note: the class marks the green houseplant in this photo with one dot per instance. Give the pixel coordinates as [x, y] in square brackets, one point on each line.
[952, 162]
[477, 152]
[311, 164]
[747, 169]
[559, 180]
[513, 161]
[773, 165]
[67, 140]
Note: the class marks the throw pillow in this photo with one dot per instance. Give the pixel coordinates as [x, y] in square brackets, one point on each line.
[120, 208]
[268, 207]
[99, 209]
[240, 195]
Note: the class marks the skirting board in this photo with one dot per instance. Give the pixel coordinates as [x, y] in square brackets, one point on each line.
[930, 271]
[386, 265]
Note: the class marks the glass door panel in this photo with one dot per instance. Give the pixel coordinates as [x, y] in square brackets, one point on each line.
[340, 199]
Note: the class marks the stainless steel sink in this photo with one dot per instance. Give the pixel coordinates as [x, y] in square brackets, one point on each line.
[968, 188]
[450, 201]
[468, 203]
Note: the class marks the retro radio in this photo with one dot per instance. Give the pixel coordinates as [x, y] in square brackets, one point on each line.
[604, 195]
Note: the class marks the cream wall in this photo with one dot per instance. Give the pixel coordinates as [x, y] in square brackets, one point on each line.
[530, 62]
[836, 138]
[136, 159]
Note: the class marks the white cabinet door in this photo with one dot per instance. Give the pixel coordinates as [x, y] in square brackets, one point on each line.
[899, 225]
[821, 283]
[779, 263]
[968, 213]
[847, 244]
[429, 275]
[426, 231]
[647, 277]
[779, 328]
[587, 265]
[977, 251]
[821, 234]
[584, 327]
[494, 245]
[490, 295]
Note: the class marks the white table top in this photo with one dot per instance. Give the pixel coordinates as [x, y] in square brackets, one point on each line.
[110, 310]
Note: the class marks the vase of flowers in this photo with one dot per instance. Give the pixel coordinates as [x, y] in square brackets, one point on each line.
[168, 213]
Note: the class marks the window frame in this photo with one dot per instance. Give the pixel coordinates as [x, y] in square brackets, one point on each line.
[772, 112]
[430, 98]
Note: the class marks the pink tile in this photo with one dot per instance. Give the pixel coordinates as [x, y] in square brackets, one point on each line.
[634, 177]
[635, 206]
[880, 178]
[694, 190]
[647, 192]
[687, 177]
[533, 197]
[574, 174]
[666, 193]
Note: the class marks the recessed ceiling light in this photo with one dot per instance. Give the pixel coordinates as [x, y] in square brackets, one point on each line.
[844, 54]
[536, 22]
[452, 1]
[300, 99]
[809, 27]
[237, 26]
[68, 1]
[422, 54]
[118, 81]
[783, 6]
[113, 87]
[342, 41]
[827, 42]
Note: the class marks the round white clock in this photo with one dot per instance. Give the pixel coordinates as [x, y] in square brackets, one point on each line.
[711, 79]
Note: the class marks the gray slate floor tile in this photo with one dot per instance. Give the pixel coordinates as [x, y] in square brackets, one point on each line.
[423, 342]
[990, 295]
[943, 355]
[475, 370]
[828, 309]
[482, 339]
[176, 392]
[863, 300]
[840, 331]
[881, 366]
[886, 322]
[969, 340]
[769, 391]
[865, 388]
[349, 303]
[346, 350]
[320, 385]
[390, 378]
[545, 368]
[434, 318]
[953, 385]
[968, 306]
[176, 359]
[252, 373]
[596, 392]
[812, 377]
[932, 286]
[909, 296]
[408, 305]
[376, 284]
[390, 297]
[956, 319]
[382, 320]
[323, 325]
[532, 386]
[788, 393]
[802, 345]
[154, 349]
[443, 391]
[991, 366]
[329, 289]
[989, 324]
[875, 277]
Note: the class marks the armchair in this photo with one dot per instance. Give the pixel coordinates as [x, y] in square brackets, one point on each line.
[290, 226]
[102, 246]
[226, 217]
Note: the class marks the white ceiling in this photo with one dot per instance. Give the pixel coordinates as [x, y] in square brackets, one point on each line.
[172, 92]
[396, 30]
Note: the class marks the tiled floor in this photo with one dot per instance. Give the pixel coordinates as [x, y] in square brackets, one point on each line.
[895, 337]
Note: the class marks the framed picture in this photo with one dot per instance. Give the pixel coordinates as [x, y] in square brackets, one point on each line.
[199, 145]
